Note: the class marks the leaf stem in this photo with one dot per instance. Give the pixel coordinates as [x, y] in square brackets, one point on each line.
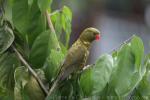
[50, 25]
[30, 69]
[56, 11]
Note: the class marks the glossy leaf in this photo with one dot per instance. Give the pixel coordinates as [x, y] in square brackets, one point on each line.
[62, 21]
[42, 47]
[66, 22]
[39, 50]
[63, 48]
[66, 19]
[44, 4]
[30, 2]
[26, 87]
[137, 48]
[128, 71]
[8, 63]
[94, 79]
[8, 11]
[28, 20]
[144, 86]
[6, 38]
[53, 64]
[21, 78]
[56, 19]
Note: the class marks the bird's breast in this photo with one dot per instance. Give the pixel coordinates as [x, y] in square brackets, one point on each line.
[81, 51]
[86, 55]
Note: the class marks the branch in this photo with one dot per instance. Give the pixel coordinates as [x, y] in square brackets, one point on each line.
[30, 69]
[56, 11]
[50, 25]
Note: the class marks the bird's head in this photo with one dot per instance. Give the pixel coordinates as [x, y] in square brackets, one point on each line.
[90, 34]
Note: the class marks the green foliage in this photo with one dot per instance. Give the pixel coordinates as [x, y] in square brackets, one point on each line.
[30, 2]
[26, 87]
[6, 38]
[8, 10]
[143, 89]
[94, 79]
[52, 64]
[8, 63]
[23, 25]
[44, 4]
[62, 21]
[41, 48]
[28, 19]
[128, 68]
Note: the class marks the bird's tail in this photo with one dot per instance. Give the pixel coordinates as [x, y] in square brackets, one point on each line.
[52, 89]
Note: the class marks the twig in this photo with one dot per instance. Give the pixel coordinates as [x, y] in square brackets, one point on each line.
[50, 25]
[30, 69]
[56, 11]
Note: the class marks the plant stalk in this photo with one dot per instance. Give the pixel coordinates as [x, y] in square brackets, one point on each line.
[50, 25]
[30, 69]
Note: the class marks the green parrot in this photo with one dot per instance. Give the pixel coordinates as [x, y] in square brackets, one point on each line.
[77, 56]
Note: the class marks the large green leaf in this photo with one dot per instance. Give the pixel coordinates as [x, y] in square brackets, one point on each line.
[30, 2]
[8, 63]
[128, 70]
[21, 78]
[94, 79]
[143, 88]
[6, 38]
[8, 11]
[26, 87]
[137, 49]
[44, 4]
[63, 48]
[39, 50]
[52, 64]
[66, 22]
[28, 19]
[56, 19]
[62, 21]
[42, 47]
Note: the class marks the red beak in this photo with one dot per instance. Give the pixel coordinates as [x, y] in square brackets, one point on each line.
[97, 37]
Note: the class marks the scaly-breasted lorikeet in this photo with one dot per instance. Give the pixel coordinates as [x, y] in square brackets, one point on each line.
[77, 55]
